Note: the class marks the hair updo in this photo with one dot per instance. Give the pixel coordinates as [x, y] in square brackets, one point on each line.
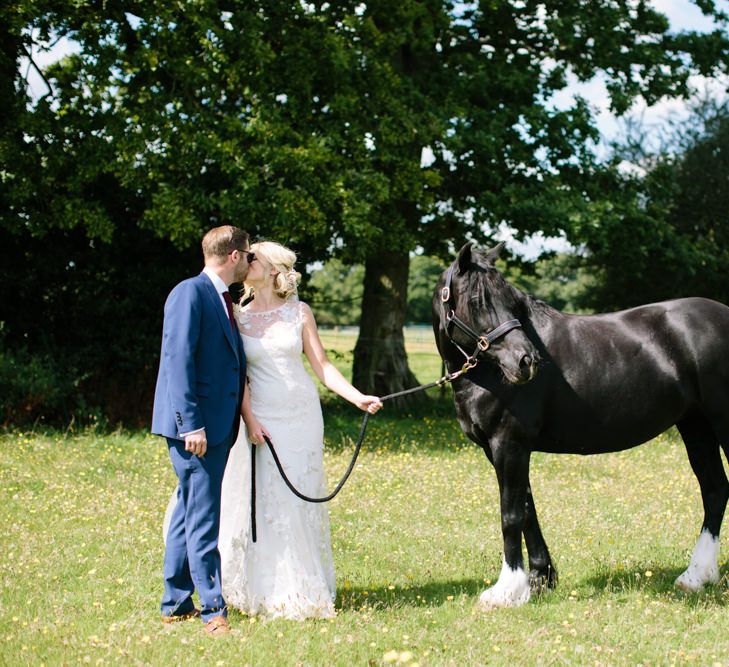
[282, 259]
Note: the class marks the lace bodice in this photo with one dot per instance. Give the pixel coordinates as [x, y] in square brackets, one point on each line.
[279, 382]
[256, 324]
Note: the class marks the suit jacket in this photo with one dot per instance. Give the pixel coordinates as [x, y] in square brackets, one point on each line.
[202, 366]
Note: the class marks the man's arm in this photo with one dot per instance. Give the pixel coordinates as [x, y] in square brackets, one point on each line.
[181, 332]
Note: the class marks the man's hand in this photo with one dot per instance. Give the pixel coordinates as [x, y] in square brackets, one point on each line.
[196, 443]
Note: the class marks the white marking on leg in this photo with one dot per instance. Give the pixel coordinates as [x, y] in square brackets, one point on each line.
[704, 565]
[511, 590]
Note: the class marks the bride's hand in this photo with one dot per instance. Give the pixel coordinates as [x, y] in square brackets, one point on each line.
[369, 404]
[256, 431]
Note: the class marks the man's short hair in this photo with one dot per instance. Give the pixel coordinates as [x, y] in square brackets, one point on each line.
[219, 242]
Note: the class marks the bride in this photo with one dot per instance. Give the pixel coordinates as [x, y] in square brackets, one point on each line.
[288, 572]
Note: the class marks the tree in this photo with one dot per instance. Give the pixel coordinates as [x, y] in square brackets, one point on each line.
[666, 233]
[337, 293]
[564, 280]
[423, 277]
[475, 90]
[308, 123]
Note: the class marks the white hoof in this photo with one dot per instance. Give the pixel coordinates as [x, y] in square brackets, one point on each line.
[704, 566]
[511, 590]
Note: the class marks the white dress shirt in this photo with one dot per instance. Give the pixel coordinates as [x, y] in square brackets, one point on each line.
[219, 285]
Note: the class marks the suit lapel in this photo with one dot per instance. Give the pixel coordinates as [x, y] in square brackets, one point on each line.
[222, 314]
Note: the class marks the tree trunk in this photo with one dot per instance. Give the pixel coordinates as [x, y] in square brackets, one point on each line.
[380, 363]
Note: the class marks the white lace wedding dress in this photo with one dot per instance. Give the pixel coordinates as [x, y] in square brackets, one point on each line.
[288, 572]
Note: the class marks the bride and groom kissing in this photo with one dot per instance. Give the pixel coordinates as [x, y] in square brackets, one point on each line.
[220, 362]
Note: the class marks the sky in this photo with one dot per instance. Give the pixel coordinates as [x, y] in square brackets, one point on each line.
[682, 14]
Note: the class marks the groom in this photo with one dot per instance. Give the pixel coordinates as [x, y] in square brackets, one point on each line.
[197, 409]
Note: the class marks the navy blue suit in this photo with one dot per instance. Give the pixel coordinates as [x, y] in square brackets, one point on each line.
[200, 385]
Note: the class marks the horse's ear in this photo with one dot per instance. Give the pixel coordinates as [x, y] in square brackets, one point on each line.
[494, 253]
[464, 256]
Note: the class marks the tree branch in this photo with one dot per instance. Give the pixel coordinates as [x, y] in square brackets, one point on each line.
[40, 72]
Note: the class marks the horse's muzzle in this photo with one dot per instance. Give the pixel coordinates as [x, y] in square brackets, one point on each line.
[524, 372]
[528, 366]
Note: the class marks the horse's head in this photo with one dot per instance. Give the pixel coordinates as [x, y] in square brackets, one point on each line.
[482, 300]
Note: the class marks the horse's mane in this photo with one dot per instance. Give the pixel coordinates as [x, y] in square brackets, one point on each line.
[534, 308]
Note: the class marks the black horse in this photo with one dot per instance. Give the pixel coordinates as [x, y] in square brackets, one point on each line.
[604, 383]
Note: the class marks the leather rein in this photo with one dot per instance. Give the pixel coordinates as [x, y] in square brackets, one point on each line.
[482, 343]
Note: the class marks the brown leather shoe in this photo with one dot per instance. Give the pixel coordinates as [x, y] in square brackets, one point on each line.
[217, 626]
[174, 618]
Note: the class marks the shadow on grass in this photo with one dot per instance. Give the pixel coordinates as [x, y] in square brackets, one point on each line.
[659, 584]
[605, 584]
[431, 594]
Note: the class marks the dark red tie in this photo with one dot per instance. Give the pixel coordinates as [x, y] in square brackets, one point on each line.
[229, 306]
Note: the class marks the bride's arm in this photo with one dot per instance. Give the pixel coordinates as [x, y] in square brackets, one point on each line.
[327, 372]
[254, 428]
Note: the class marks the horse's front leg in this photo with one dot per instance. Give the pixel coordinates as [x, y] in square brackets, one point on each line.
[511, 462]
[542, 573]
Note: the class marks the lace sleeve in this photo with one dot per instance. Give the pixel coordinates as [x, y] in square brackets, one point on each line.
[306, 314]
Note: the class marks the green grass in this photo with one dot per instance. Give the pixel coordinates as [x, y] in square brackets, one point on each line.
[416, 537]
[419, 343]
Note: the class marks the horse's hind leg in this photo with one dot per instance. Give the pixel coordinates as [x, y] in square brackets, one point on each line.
[704, 455]
[542, 573]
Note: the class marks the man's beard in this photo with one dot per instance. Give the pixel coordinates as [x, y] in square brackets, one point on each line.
[241, 274]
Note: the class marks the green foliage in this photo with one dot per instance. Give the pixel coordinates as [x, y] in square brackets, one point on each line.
[337, 289]
[34, 388]
[337, 292]
[95, 310]
[562, 280]
[665, 231]
[306, 123]
[424, 274]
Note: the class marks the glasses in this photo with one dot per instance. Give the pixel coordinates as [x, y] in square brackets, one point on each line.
[250, 256]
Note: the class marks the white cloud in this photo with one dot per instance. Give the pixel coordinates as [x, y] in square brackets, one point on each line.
[533, 246]
[685, 15]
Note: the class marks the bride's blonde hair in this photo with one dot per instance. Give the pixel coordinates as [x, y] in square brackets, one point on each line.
[282, 259]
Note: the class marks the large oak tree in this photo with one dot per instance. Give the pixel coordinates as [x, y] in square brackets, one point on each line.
[356, 129]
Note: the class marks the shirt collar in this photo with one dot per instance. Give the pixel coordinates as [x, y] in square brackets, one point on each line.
[217, 281]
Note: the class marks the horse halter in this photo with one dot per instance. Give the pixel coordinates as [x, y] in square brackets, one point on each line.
[483, 341]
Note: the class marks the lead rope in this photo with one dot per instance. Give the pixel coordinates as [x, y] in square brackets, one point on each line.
[470, 363]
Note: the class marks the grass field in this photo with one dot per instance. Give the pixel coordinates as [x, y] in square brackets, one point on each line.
[416, 537]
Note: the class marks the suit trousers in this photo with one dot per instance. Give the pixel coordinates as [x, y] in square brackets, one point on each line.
[192, 559]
